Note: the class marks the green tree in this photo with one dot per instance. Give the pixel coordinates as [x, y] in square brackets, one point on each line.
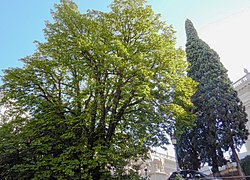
[102, 89]
[188, 156]
[221, 122]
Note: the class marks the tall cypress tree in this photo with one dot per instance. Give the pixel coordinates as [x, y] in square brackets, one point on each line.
[221, 122]
[188, 156]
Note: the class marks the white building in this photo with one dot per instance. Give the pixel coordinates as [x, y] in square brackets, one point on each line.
[242, 86]
[158, 166]
[161, 166]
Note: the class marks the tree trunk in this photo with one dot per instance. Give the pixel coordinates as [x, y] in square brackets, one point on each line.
[236, 157]
[215, 168]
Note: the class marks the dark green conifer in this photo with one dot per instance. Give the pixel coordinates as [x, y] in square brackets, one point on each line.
[221, 122]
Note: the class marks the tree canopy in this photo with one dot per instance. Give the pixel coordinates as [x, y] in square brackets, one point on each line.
[102, 89]
[221, 122]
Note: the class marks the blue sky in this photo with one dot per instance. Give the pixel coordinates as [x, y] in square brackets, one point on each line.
[22, 21]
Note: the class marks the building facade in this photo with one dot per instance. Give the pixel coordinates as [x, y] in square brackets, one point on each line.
[242, 86]
[158, 166]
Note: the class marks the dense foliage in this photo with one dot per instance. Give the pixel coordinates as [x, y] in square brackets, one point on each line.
[188, 156]
[102, 89]
[221, 122]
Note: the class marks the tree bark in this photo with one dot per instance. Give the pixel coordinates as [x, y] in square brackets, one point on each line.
[236, 157]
